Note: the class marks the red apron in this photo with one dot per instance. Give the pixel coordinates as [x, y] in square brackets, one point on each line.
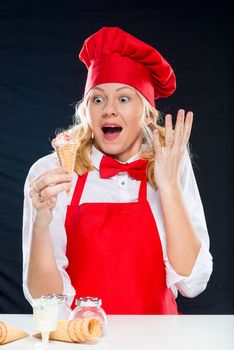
[115, 254]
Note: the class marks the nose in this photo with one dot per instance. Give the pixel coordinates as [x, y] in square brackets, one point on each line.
[112, 114]
[109, 110]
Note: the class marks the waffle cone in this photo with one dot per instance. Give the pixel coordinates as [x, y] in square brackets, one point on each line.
[76, 331]
[8, 333]
[67, 157]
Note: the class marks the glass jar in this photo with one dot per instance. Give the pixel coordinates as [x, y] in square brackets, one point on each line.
[90, 307]
[64, 311]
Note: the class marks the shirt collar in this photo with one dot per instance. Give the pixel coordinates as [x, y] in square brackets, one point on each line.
[96, 157]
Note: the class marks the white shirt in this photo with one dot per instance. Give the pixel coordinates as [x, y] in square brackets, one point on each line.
[120, 188]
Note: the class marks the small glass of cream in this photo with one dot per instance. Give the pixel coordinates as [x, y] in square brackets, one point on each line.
[45, 316]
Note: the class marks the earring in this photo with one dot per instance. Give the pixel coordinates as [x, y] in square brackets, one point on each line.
[150, 123]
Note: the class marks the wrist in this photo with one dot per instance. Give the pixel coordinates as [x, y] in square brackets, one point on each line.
[169, 188]
[42, 220]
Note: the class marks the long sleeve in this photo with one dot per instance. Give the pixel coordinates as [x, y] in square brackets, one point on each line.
[196, 282]
[57, 229]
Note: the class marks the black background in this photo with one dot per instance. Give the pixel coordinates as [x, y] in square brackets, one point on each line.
[41, 79]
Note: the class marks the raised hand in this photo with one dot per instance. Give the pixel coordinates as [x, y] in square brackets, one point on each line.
[168, 158]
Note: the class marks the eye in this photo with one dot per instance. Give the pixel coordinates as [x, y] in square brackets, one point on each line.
[124, 99]
[97, 99]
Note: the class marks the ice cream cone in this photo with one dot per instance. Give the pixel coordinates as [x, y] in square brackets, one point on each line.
[76, 331]
[8, 333]
[66, 147]
[67, 156]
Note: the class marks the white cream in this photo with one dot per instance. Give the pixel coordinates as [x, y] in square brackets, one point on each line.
[45, 315]
[45, 320]
[63, 139]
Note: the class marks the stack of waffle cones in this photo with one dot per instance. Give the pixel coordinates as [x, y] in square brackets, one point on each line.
[9, 334]
[76, 331]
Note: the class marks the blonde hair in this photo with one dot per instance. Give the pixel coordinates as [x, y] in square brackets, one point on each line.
[82, 132]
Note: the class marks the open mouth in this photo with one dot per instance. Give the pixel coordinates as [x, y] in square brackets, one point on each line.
[111, 129]
[111, 132]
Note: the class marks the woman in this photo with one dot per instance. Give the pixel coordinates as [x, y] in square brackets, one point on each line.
[133, 232]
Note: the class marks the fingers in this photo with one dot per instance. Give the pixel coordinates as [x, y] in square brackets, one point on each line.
[53, 191]
[187, 128]
[39, 202]
[49, 184]
[179, 137]
[50, 178]
[51, 172]
[169, 132]
[179, 128]
[156, 141]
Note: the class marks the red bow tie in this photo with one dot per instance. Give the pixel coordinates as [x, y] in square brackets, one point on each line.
[110, 167]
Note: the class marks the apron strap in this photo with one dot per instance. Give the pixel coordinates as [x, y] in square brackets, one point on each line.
[79, 189]
[142, 195]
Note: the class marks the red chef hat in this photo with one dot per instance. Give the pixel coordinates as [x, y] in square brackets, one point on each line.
[114, 56]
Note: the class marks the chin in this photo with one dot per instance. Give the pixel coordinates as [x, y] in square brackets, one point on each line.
[112, 150]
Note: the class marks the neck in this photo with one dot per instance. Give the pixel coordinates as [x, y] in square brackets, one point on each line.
[125, 155]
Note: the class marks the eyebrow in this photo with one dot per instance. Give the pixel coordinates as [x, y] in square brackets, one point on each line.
[121, 88]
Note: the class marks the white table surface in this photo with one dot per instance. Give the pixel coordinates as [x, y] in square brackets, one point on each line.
[190, 332]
